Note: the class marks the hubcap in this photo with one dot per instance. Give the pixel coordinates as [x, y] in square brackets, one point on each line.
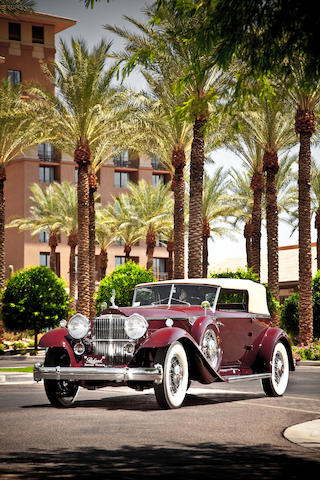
[210, 347]
[175, 374]
[278, 367]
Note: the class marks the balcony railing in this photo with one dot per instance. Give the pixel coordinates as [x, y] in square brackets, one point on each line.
[157, 163]
[121, 162]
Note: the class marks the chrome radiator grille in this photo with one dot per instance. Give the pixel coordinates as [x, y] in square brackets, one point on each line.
[109, 339]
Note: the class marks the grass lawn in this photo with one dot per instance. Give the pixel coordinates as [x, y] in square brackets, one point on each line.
[17, 369]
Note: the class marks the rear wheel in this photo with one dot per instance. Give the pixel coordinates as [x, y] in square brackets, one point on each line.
[172, 391]
[60, 393]
[277, 384]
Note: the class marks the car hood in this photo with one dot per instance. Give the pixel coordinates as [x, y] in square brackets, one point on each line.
[159, 312]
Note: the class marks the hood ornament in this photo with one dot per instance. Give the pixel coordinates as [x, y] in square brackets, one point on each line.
[112, 299]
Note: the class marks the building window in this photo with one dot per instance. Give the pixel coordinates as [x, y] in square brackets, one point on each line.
[121, 179]
[159, 268]
[157, 163]
[37, 34]
[14, 77]
[47, 153]
[44, 259]
[160, 242]
[43, 237]
[75, 175]
[15, 31]
[46, 174]
[119, 261]
[157, 179]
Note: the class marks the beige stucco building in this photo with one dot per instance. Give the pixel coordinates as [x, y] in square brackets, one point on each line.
[25, 42]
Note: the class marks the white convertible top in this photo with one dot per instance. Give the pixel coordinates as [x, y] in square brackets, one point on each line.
[257, 302]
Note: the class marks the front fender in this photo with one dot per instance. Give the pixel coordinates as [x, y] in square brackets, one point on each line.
[200, 368]
[264, 356]
[57, 338]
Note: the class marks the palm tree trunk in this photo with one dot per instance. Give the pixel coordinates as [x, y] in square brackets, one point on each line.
[82, 158]
[195, 203]
[127, 250]
[257, 184]
[178, 161]
[271, 166]
[305, 127]
[53, 243]
[247, 233]
[170, 249]
[317, 226]
[2, 240]
[72, 242]
[103, 262]
[151, 242]
[92, 241]
[205, 239]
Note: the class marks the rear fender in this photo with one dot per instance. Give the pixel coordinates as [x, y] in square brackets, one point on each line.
[270, 339]
[57, 338]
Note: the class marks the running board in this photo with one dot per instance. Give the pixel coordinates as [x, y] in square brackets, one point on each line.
[236, 378]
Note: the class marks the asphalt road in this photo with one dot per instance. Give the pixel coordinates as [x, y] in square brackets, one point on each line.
[222, 431]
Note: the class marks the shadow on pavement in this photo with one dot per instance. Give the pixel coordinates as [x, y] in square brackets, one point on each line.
[205, 461]
[147, 401]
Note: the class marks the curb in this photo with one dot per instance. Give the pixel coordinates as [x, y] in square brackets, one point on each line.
[307, 363]
[305, 434]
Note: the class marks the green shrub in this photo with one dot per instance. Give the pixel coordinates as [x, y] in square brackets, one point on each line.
[311, 351]
[18, 345]
[289, 318]
[122, 280]
[243, 274]
[2, 348]
[34, 299]
[33, 352]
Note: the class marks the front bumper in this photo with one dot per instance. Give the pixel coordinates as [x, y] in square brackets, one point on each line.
[112, 374]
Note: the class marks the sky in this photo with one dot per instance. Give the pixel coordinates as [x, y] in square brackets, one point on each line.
[90, 26]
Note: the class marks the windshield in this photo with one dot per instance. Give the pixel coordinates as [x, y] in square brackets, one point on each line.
[174, 294]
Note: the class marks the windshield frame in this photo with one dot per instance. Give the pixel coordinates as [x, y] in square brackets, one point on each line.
[172, 291]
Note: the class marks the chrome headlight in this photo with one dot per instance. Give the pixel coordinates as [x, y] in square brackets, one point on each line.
[78, 326]
[135, 326]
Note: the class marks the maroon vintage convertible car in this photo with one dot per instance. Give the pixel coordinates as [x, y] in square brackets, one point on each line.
[176, 331]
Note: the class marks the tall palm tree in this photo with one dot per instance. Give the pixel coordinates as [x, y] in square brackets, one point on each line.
[83, 87]
[16, 7]
[67, 218]
[305, 98]
[43, 217]
[151, 213]
[18, 131]
[252, 156]
[105, 233]
[159, 45]
[242, 205]
[215, 211]
[268, 122]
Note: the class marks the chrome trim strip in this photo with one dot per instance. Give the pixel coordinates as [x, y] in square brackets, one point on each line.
[113, 374]
[235, 378]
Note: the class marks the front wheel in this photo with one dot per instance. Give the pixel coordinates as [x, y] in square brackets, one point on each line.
[172, 391]
[60, 393]
[277, 384]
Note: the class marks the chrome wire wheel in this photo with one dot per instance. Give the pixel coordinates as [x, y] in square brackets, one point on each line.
[277, 384]
[172, 391]
[210, 347]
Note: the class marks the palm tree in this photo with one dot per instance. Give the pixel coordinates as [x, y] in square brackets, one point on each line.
[83, 87]
[242, 205]
[18, 131]
[16, 7]
[151, 213]
[268, 122]
[43, 217]
[252, 157]
[305, 97]
[215, 209]
[105, 233]
[67, 218]
[162, 44]
[119, 216]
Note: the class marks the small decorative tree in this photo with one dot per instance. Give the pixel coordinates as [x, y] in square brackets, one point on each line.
[34, 299]
[122, 280]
